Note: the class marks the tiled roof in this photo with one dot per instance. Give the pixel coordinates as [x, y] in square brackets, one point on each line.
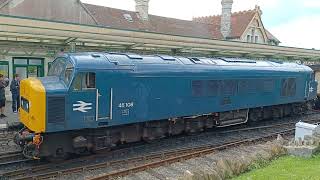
[114, 18]
[272, 37]
[202, 27]
[2, 2]
[239, 23]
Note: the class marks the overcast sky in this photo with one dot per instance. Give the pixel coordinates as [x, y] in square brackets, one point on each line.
[294, 22]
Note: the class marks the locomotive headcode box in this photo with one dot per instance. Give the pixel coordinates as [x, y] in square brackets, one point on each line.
[304, 129]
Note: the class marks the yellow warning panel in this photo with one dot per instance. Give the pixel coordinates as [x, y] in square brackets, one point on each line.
[32, 112]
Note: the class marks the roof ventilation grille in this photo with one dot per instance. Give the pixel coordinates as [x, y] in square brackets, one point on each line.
[236, 60]
[128, 17]
[167, 58]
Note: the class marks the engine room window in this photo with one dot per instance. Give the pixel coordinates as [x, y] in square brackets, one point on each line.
[229, 87]
[288, 87]
[213, 87]
[198, 88]
[84, 81]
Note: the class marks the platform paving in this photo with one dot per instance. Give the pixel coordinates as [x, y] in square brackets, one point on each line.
[11, 117]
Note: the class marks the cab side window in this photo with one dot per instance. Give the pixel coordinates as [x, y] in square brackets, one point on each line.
[84, 81]
[90, 81]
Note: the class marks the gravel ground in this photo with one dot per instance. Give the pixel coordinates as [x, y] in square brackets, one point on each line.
[171, 172]
[205, 166]
[11, 117]
[8, 146]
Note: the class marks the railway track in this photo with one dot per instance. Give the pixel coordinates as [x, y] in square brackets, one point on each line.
[165, 160]
[6, 141]
[125, 166]
[6, 138]
[13, 157]
[191, 153]
[6, 134]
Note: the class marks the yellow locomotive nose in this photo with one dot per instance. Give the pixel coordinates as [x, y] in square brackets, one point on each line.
[32, 112]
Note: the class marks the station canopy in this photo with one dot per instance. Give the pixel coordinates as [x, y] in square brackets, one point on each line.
[30, 35]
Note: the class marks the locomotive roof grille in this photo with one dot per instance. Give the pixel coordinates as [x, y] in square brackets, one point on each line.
[167, 57]
[234, 60]
[84, 60]
[129, 55]
[276, 61]
[195, 59]
[95, 55]
[134, 56]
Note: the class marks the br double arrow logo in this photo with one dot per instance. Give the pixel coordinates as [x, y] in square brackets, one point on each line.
[82, 106]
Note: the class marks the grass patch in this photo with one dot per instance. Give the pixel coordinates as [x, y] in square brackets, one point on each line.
[286, 167]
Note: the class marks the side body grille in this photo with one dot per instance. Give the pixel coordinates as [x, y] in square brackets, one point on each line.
[56, 109]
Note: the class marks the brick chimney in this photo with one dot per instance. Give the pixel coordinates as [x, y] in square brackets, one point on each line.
[142, 7]
[226, 18]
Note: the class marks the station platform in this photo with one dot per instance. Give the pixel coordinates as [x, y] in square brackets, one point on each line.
[11, 117]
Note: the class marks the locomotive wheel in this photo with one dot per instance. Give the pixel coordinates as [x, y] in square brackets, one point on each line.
[30, 151]
[59, 155]
[254, 116]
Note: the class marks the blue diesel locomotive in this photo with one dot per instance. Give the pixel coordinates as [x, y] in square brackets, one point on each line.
[93, 101]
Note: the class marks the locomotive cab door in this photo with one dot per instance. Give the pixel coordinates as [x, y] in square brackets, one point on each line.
[91, 101]
[104, 98]
[83, 100]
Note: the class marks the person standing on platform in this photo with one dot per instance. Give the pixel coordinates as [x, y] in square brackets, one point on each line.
[15, 91]
[3, 84]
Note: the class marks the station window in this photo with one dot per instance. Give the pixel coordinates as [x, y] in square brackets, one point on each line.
[4, 68]
[84, 81]
[256, 39]
[248, 38]
[28, 66]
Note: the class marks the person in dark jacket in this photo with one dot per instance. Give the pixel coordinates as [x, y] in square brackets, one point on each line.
[3, 84]
[15, 91]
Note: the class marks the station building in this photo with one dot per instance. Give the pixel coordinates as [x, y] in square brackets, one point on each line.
[240, 26]
[34, 32]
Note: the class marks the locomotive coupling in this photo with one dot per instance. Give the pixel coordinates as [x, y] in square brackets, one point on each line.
[29, 143]
[23, 137]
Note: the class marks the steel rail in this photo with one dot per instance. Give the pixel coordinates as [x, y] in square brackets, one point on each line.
[8, 154]
[13, 157]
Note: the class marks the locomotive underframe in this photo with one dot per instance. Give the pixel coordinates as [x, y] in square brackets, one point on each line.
[60, 145]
